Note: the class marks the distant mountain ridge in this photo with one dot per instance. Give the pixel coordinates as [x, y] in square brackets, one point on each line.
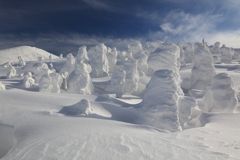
[28, 53]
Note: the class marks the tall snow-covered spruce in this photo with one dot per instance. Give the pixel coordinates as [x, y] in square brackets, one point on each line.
[160, 103]
[203, 70]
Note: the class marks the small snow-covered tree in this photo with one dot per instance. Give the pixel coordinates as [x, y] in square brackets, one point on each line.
[69, 66]
[99, 61]
[2, 86]
[118, 82]
[79, 80]
[112, 59]
[226, 56]
[21, 61]
[28, 81]
[221, 96]
[12, 72]
[132, 76]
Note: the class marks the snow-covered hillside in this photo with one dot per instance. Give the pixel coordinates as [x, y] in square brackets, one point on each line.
[26, 52]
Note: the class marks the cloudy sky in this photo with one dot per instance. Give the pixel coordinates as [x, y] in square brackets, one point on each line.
[59, 25]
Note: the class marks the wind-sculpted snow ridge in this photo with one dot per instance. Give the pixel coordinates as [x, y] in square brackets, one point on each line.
[203, 70]
[227, 54]
[26, 52]
[99, 61]
[2, 86]
[165, 57]
[221, 96]
[160, 102]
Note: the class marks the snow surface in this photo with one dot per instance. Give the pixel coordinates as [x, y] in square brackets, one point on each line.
[48, 126]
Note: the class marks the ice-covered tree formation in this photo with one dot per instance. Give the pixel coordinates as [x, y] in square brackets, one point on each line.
[82, 54]
[160, 102]
[28, 81]
[79, 80]
[61, 55]
[226, 55]
[99, 61]
[69, 64]
[39, 69]
[2, 86]
[139, 54]
[112, 58]
[12, 72]
[132, 76]
[152, 46]
[189, 53]
[203, 70]
[56, 82]
[118, 82]
[215, 50]
[221, 96]
[186, 105]
[81, 108]
[50, 82]
[21, 61]
[182, 56]
[45, 83]
[165, 57]
[236, 55]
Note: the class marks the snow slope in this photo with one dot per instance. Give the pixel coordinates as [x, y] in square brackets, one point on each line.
[26, 52]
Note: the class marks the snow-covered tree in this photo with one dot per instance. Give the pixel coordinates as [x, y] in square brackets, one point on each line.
[132, 76]
[189, 53]
[118, 82]
[28, 81]
[12, 72]
[160, 102]
[79, 80]
[203, 70]
[221, 96]
[99, 61]
[69, 65]
[227, 53]
[112, 59]
[21, 61]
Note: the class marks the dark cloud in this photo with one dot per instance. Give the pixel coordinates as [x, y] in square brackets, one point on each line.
[59, 23]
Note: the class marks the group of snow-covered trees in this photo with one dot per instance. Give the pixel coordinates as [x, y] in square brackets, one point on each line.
[164, 103]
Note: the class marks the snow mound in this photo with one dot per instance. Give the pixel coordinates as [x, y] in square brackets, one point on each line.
[221, 97]
[160, 103]
[26, 52]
